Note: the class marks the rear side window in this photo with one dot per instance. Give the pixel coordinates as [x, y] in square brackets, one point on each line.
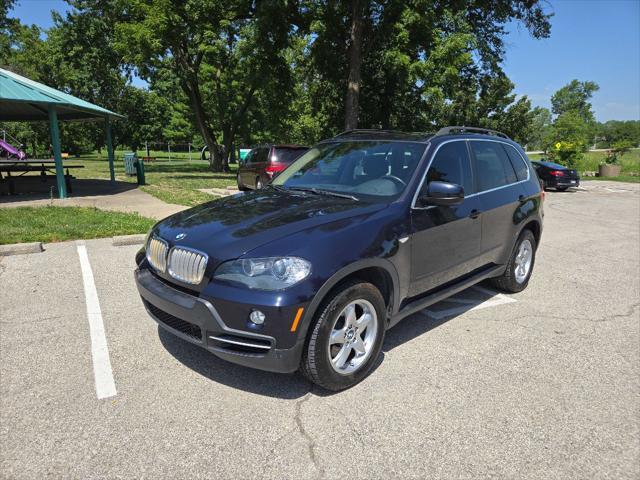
[451, 164]
[261, 155]
[493, 166]
[516, 161]
[287, 154]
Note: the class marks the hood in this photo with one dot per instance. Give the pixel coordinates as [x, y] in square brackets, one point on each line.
[228, 228]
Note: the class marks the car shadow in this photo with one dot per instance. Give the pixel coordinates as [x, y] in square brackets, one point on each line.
[294, 385]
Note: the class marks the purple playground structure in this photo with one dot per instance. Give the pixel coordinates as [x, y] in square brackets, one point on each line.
[8, 150]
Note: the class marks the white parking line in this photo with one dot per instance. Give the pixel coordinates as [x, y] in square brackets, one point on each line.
[105, 386]
[468, 304]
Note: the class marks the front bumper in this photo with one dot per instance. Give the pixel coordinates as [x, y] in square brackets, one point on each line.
[197, 321]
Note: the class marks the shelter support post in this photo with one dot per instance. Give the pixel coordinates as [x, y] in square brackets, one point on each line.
[57, 156]
[112, 173]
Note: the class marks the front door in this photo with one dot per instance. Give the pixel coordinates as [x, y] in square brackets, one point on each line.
[446, 240]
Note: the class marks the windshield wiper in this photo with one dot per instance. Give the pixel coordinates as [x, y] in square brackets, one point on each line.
[319, 191]
[278, 187]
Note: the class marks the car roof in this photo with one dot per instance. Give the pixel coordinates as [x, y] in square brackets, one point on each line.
[557, 166]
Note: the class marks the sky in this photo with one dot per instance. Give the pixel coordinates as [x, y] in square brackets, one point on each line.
[597, 40]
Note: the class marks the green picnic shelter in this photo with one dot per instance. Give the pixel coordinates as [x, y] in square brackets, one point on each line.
[24, 100]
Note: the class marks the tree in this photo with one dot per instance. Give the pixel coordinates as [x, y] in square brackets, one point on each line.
[383, 49]
[574, 125]
[222, 53]
[615, 131]
[574, 97]
[541, 123]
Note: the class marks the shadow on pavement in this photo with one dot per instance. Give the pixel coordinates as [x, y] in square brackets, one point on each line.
[292, 386]
[278, 385]
[33, 188]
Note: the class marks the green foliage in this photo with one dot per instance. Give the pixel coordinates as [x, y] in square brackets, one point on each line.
[614, 131]
[619, 149]
[574, 97]
[242, 72]
[566, 153]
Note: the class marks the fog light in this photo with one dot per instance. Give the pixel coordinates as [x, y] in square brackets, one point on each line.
[257, 317]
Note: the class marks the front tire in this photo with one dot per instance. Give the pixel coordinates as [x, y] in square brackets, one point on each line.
[518, 272]
[346, 337]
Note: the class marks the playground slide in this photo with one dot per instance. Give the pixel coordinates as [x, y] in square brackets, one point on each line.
[11, 151]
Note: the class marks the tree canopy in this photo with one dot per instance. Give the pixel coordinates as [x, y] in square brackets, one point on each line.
[240, 72]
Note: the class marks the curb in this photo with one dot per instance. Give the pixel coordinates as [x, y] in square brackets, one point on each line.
[20, 248]
[123, 240]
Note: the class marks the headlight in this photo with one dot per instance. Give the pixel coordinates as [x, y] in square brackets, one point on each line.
[273, 273]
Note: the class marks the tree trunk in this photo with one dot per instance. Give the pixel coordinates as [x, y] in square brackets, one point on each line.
[228, 135]
[192, 90]
[352, 107]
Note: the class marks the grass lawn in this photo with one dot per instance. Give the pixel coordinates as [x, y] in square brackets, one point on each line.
[56, 224]
[172, 181]
[630, 163]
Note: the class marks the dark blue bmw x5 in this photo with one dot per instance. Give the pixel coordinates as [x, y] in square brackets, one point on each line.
[361, 231]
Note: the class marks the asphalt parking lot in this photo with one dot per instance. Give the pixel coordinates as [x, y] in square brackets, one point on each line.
[542, 384]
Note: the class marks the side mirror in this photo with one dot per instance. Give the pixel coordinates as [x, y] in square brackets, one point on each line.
[442, 194]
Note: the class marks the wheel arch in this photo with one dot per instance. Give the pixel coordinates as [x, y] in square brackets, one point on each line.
[379, 272]
[536, 228]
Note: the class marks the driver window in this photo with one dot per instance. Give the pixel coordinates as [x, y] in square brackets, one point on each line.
[451, 164]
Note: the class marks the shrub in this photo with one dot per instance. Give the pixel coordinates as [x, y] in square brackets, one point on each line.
[566, 153]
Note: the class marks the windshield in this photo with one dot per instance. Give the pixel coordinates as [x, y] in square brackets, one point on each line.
[371, 170]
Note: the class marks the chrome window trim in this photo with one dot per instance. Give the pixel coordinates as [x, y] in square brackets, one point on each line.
[415, 195]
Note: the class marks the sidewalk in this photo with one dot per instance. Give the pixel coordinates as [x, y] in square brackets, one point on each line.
[124, 197]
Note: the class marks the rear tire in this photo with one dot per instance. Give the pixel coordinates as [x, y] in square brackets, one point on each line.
[259, 184]
[520, 267]
[343, 347]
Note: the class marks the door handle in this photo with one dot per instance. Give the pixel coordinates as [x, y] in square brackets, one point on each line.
[474, 213]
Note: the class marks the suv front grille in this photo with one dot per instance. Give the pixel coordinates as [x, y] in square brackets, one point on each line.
[157, 254]
[187, 265]
[176, 323]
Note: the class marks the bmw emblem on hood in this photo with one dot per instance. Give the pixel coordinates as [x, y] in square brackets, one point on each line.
[180, 236]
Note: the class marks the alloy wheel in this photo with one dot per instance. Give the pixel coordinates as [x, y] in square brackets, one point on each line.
[353, 337]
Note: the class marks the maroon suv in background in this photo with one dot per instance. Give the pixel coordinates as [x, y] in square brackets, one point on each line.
[264, 162]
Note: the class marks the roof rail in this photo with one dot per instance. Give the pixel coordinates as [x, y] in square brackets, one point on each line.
[483, 131]
[363, 130]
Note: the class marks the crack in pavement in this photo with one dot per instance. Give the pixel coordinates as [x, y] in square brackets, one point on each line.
[311, 444]
[629, 312]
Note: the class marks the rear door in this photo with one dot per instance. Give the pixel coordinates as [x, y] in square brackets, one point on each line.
[445, 241]
[500, 194]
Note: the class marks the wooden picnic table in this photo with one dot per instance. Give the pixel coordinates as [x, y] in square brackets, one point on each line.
[45, 167]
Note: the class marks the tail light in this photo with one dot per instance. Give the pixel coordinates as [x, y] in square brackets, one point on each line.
[274, 168]
[557, 173]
